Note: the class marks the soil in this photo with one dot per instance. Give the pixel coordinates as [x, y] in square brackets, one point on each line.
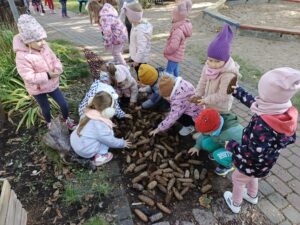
[277, 14]
[181, 210]
[21, 158]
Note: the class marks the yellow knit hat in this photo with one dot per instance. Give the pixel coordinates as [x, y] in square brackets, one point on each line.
[147, 74]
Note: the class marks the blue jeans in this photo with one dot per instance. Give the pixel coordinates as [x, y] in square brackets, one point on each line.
[173, 68]
[42, 100]
[63, 7]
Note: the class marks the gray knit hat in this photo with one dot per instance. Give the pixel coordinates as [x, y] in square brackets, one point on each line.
[30, 30]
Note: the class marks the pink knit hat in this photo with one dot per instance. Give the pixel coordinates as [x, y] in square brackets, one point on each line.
[275, 90]
[219, 48]
[30, 30]
[133, 16]
[181, 11]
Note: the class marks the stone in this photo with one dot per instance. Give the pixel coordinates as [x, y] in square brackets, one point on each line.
[292, 214]
[286, 222]
[295, 171]
[187, 223]
[286, 152]
[295, 185]
[294, 159]
[204, 217]
[294, 199]
[271, 212]
[283, 162]
[279, 185]
[265, 188]
[127, 222]
[281, 173]
[161, 223]
[278, 200]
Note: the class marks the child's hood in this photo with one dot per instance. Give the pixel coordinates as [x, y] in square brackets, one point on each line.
[179, 91]
[185, 26]
[18, 44]
[108, 10]
[145, 27]
[283, 123]
[232, 67]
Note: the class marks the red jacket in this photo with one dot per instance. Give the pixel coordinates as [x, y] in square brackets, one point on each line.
[175, 46]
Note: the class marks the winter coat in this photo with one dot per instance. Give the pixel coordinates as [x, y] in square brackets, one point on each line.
[95, 136]
[113, 30]
[174, 49]
[231, 130]
[261, 144]
[214, 92]
[96, 87]
[140, 42]
[33, 66]
[180, 104]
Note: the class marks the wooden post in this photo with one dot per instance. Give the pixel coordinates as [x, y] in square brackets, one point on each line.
[14, 10]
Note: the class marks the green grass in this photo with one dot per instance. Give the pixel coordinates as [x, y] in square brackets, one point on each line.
[96, 221]
[86, 183]
[72, 5]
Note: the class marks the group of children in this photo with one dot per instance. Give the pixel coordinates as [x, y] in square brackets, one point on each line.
[250, 151]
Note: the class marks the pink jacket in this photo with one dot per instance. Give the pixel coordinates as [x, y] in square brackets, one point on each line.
[179, 101]
[34, 65]
[175, 46]
[114, 31]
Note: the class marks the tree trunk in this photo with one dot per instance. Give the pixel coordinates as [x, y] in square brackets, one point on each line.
[6, 15]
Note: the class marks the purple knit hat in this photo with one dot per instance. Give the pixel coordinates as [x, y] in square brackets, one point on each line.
[219, 48]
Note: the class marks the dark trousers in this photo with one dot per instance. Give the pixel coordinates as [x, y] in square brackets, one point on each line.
[186, 120]
[63, 7]
[42, 100]
[80, 5]
[128, 27]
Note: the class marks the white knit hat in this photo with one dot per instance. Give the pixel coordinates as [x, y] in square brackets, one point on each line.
[30, 30]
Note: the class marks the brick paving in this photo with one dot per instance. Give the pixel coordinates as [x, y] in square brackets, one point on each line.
[279, 192]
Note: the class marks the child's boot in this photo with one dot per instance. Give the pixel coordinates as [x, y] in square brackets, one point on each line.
[101, 159]
[230, 203]
[248, 198]
[223, 171]
[186, 130]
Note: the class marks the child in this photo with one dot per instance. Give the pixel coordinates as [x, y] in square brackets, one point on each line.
[64, 8]
[120, 79]
[50, 5]
[38, 7]
[178, 91]
[272, 127]
[180, 31]
[80, 6]
[39, 67]
[217, 73]
[94, 135]
[140, 36]
[148, 75]
[113, 30]
[215, 129]
[96, 87]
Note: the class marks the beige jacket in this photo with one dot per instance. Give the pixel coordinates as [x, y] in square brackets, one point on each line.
[214, 92]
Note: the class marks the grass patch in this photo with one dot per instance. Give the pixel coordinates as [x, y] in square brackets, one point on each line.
[86, 183]
[72, 5]
[96, 221]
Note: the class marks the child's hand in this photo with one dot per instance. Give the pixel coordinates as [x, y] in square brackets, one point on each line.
[54, 74]
[193, 150]
[154, 132]
[135, 64]
[128, 116]
[132, 104]
[128, 144]
[201, 102]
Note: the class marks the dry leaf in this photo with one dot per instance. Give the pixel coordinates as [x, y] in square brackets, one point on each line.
[83, 210]
[205, 201]
[58, 212]
[47, 210]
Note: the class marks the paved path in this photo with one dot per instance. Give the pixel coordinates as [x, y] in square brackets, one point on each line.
[280, 191]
